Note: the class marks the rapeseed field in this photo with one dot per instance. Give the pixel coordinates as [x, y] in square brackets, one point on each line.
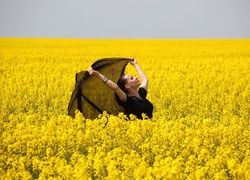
[200, 127]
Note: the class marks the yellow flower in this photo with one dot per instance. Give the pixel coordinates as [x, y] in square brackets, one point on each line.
[200, 126]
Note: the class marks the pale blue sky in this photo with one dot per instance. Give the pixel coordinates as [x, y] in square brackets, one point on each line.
[125, 18]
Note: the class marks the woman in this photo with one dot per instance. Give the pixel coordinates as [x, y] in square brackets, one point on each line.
[130, 92]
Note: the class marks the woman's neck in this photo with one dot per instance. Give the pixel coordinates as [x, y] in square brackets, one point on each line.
[134, 92]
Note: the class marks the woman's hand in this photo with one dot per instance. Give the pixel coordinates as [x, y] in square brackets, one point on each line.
[91, 71]
[132, 61]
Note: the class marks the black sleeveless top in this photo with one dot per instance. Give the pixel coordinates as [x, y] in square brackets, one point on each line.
[137, 106]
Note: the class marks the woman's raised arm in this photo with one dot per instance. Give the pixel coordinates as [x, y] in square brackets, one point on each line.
[142, 75]
[113, 86]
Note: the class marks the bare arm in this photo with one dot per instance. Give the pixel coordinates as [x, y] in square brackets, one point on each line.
[142, 75]
[113, 86]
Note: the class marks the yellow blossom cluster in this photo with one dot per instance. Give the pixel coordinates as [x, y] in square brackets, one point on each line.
[200, 127]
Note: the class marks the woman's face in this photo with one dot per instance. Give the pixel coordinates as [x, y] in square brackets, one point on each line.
[132, 82]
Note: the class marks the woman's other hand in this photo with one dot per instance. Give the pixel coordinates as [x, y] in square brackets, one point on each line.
[132, 61]
[91, 71]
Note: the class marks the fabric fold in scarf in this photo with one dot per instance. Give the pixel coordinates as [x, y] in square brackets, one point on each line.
[91, 96]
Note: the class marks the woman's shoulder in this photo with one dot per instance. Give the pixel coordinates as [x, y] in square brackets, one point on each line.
[143, 92]
[142, 88]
